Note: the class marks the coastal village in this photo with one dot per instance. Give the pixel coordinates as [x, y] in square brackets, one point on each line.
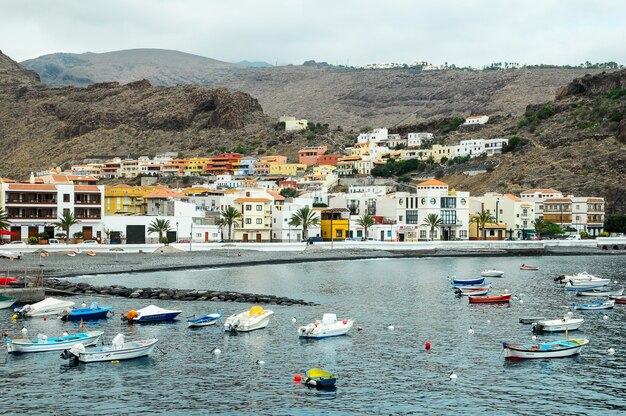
[269, 194]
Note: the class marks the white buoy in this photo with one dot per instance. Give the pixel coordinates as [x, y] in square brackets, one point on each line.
[506, 290]
[453, 376]
[470, 330]
[615, 281]
[515, 298]
[24, 331]
[605, 317]
[610, 351]
[216, 351]
[534, 338]
[521, 301]
[488, 321]
[83, 305]
[390, 327]
[65, 334]
[260, 362]
[294, 320]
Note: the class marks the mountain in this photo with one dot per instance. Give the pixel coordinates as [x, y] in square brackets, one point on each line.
[255, 64]
[347, 97]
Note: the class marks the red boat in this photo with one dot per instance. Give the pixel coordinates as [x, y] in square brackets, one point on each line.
[618, 299]
[6, 281]
[490, 299]
[525, 267]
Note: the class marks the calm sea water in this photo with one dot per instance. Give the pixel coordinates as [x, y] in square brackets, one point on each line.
[378, 370]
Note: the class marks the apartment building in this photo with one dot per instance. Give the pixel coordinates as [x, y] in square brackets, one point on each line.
[310, 155]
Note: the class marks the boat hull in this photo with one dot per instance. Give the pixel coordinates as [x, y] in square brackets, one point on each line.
[609, 304]
[490, 299]
[205, 320]
[466, 282]
[159, 317]
[53, 344]
[243, 323]
[559, 325]
[601, 292]
[325, 331]
[6, 302]
[88, 314]
[130, 350]
[618, 299]
[557, 349]
[492, 273]
[531, 268]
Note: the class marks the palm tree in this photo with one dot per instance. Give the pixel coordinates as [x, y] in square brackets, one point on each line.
[540, 226]
[159, 226]
[4, 220]
[305, 218]
[366, 221]
[65, 222]
[483, 218]
[432, 220]
[230, 216]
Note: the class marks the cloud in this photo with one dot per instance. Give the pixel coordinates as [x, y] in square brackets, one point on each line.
[359, 32]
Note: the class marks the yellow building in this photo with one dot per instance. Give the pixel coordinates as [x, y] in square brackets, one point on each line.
[438, 152]
[287, 169]
[126, 200]
[323, 169]
[335, 223]
[196, 165]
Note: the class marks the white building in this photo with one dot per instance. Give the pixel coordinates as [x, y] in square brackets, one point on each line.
[518, 215]
[291, 124]
[475, 120]
[375, 136]
[418, 139]
[471, 148]
[495, 146]
[537, 196]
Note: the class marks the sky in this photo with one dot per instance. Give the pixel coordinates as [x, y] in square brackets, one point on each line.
[354, 32]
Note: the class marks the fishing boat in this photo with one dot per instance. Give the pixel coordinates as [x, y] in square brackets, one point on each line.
[604, 291]
[48, 306]
[255, 318]
[531, 319]
[526, 267]
[584, 286]
[92, 313]
[10, 281]
[150, 313]
[554, 349]
[582, 276]
[206, 320]
[316, 377]
[618, 299]
[471, 287]
[6, 302]
[117, 351]
[567, 323]
[474, 292]
[504, 298]
[42, 343]
[589, 283]
[329, 326]
[607, 304]
[491, 273]
[465, 282]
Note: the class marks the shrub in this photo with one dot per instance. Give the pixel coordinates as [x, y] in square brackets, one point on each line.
[603, 234]
[617, 116]
[546, 111]
[584, 234]
[515, 143]
[33, 240]
[164, 240]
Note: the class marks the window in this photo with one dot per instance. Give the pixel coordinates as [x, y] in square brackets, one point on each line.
[338, 233]
[248, 220]
[66, 197]
[463, 234]
[411, 217]
[259, 220]
[248, 207]
[399, 218]
[422, 234]
[463, 201]
[433, 201]
[492, 233]
[448, 202]
[259, 207]
[448, 217]
[423, 201]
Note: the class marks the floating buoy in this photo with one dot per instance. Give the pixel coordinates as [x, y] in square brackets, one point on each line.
[515, 298]
[390, 327]
[260, 362]
[488, 321]
[427, 346]
[297, 378]
[294, 320]
[83, 305]
[605, 317]
[470, 330]
[521, 294]
[24, 331]
[65, 334]
[115, 362]
[216, 351]
[534, 338]
[359, 328]
[521, 301]
[610, 351]
[5, 334]
[44, 318]
[453, 376]
[14, 316]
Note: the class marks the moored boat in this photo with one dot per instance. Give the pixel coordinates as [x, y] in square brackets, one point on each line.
[48, 306]
[607, 304]
[472, 287]
[491, 273]
[43, 344]
[205, 320]
[6, 302]
[10, 281]
[255, 318]
[604, 291]
[465, 282]
[567, 323]
[531, 319]
[527, 267]
[618, 299]
[91, 313]
[589, 283]
[329, 326]
[584, 286]
[582, 276]
[149, 314]
[554, 349]
[473, 292]
[316, 377]
[118, 350]
[503, 298]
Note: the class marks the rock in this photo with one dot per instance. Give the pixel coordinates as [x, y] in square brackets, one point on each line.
[215, 298]
[202, 298]
[135, 295]
[164, 296]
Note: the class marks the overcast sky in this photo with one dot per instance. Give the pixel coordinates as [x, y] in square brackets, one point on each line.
[463, 32]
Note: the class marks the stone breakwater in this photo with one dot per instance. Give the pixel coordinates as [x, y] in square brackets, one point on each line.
[69, 288]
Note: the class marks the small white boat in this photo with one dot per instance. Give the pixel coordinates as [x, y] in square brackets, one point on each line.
[580, 286]
[43, 344]
[329, 326]
[255, 318]
[604, 291]
[593, 282]
[554, 349]
[491, 273]
[578, 277]
[464, 289]
[151, 313]
[567, 323]
[48, 306]
[205, 320]
[607, 304]
[6, 302]
[118, 350]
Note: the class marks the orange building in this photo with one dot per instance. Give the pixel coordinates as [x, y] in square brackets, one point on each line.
[309, 155]
[222, 163]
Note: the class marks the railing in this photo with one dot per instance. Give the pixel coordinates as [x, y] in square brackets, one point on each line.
[32, 217]
[31, 201]
[88, 217]
[88, 202]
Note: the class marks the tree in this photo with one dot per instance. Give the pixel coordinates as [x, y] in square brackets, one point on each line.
[160, 226]
[305, 218]
[65, 222]
[366, 221]
[289, 192]
[547, 228]
[4, 219]
[615, 223]
[432, 220]
[483, 218]
[230, 217]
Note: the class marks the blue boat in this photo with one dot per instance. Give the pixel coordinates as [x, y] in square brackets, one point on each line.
[206, 320]
[91, 313]
[466, 282]
[151, 313]
[316, 377]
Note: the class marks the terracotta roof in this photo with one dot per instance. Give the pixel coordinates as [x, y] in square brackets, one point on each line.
[277, 196]
[247, 199]
[513, 197]
[542, 191]
[595, 199]
[7, 180]
[348, 158]
[32, 187]
[86, 188]
[474, 117]
[558, 200]
[432, 182]
[165, 193]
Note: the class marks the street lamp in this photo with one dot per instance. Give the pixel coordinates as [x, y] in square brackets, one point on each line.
[190, 235]
[177, 231]
[331, 231]
[497, 210]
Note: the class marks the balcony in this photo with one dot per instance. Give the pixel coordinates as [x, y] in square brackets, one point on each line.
[31, 201]
[88, 202]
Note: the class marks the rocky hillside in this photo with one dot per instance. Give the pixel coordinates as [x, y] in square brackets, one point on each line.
[350, 98]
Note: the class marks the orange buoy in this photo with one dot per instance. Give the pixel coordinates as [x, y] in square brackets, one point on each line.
[427, 345]
[297, 378]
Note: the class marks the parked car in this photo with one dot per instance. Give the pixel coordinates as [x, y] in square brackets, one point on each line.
[54, 241]
[90, 242]
[573, 237]
[17, 243]
[311, 240]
